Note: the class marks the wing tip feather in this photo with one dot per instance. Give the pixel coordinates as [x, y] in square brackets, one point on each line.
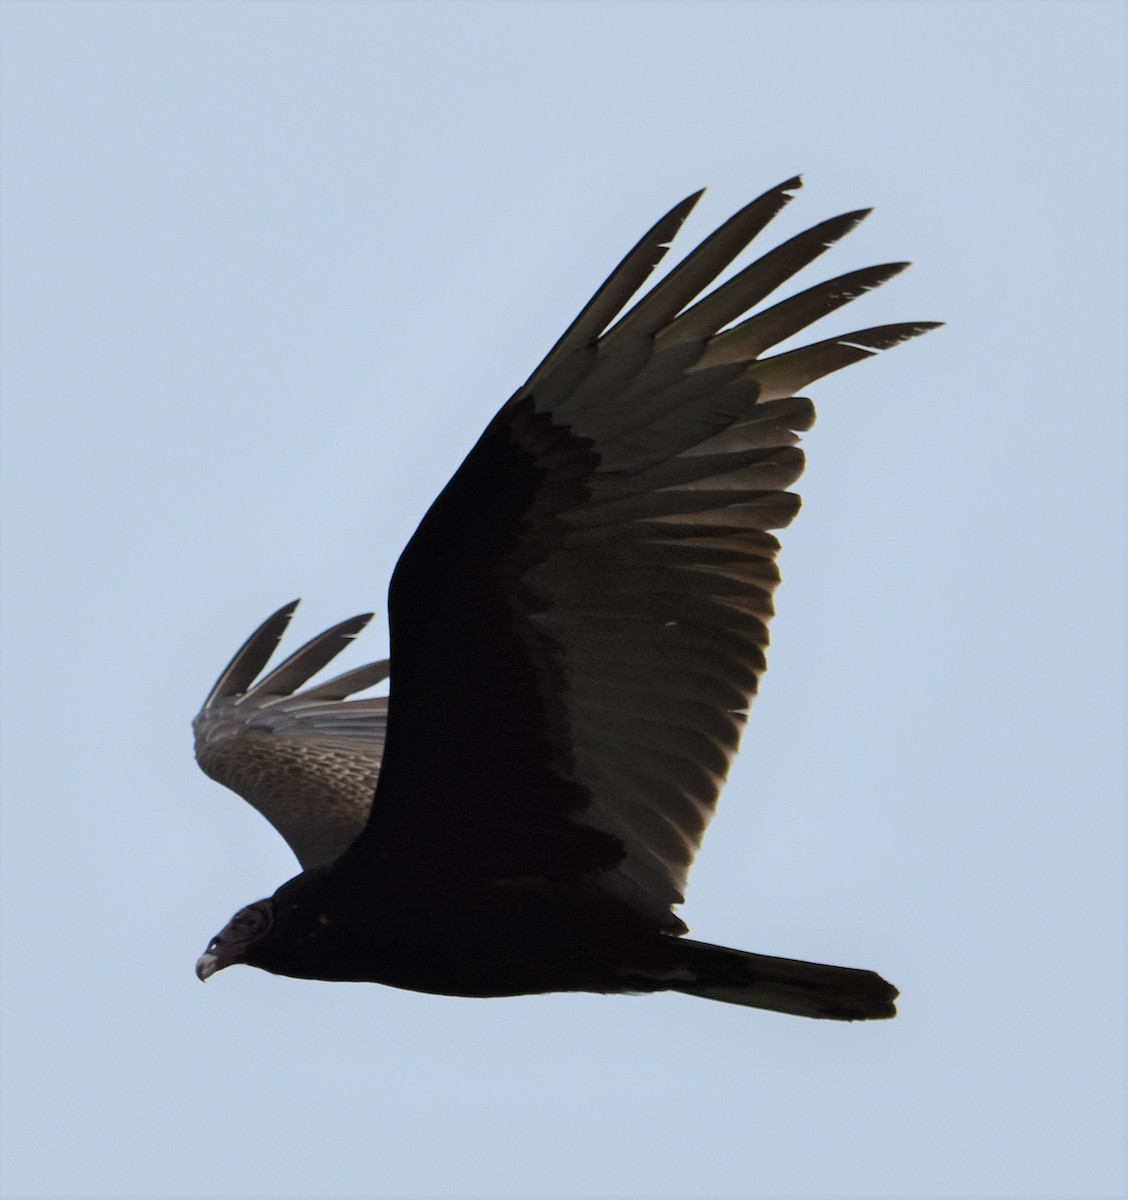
[248, 662]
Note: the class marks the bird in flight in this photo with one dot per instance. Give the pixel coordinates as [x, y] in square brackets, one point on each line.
[577, 631]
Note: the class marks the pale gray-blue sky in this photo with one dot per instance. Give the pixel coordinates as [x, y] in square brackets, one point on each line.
[268, 270]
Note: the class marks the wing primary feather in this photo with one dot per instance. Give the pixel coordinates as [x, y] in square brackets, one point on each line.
[349, 682]
[305, 662]
[618, 288]
[766, 329]
[691, 276]
[252, 656]
[782, 375]
[759, 279]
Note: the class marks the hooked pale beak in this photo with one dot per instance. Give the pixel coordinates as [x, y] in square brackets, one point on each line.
[230, 946]
[206, 966]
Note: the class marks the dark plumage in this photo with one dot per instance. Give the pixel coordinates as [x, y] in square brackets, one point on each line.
[578, 627]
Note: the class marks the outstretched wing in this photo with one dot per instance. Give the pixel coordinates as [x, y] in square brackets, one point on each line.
[307, 760]
[578, 625]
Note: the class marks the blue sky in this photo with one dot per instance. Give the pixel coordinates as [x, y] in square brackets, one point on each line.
[267, 271]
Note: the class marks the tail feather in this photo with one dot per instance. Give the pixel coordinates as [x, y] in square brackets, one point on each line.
[784, 985]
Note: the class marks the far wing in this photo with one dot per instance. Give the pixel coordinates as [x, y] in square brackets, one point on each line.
[307, 760]
[578, 626]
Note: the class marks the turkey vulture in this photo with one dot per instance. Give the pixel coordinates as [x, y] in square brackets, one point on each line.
[577, 630]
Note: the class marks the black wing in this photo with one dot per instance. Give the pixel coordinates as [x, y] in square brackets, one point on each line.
[579, 623]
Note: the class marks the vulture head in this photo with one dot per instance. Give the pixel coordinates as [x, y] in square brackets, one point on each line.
[248, 930]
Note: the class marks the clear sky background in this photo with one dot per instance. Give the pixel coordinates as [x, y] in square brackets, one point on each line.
[268, 269]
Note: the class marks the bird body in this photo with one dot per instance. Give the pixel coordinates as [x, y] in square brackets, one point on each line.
[449, 935]
[446, 933]
[578, 628]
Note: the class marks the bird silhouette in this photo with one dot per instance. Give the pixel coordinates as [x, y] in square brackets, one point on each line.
[578, 628]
